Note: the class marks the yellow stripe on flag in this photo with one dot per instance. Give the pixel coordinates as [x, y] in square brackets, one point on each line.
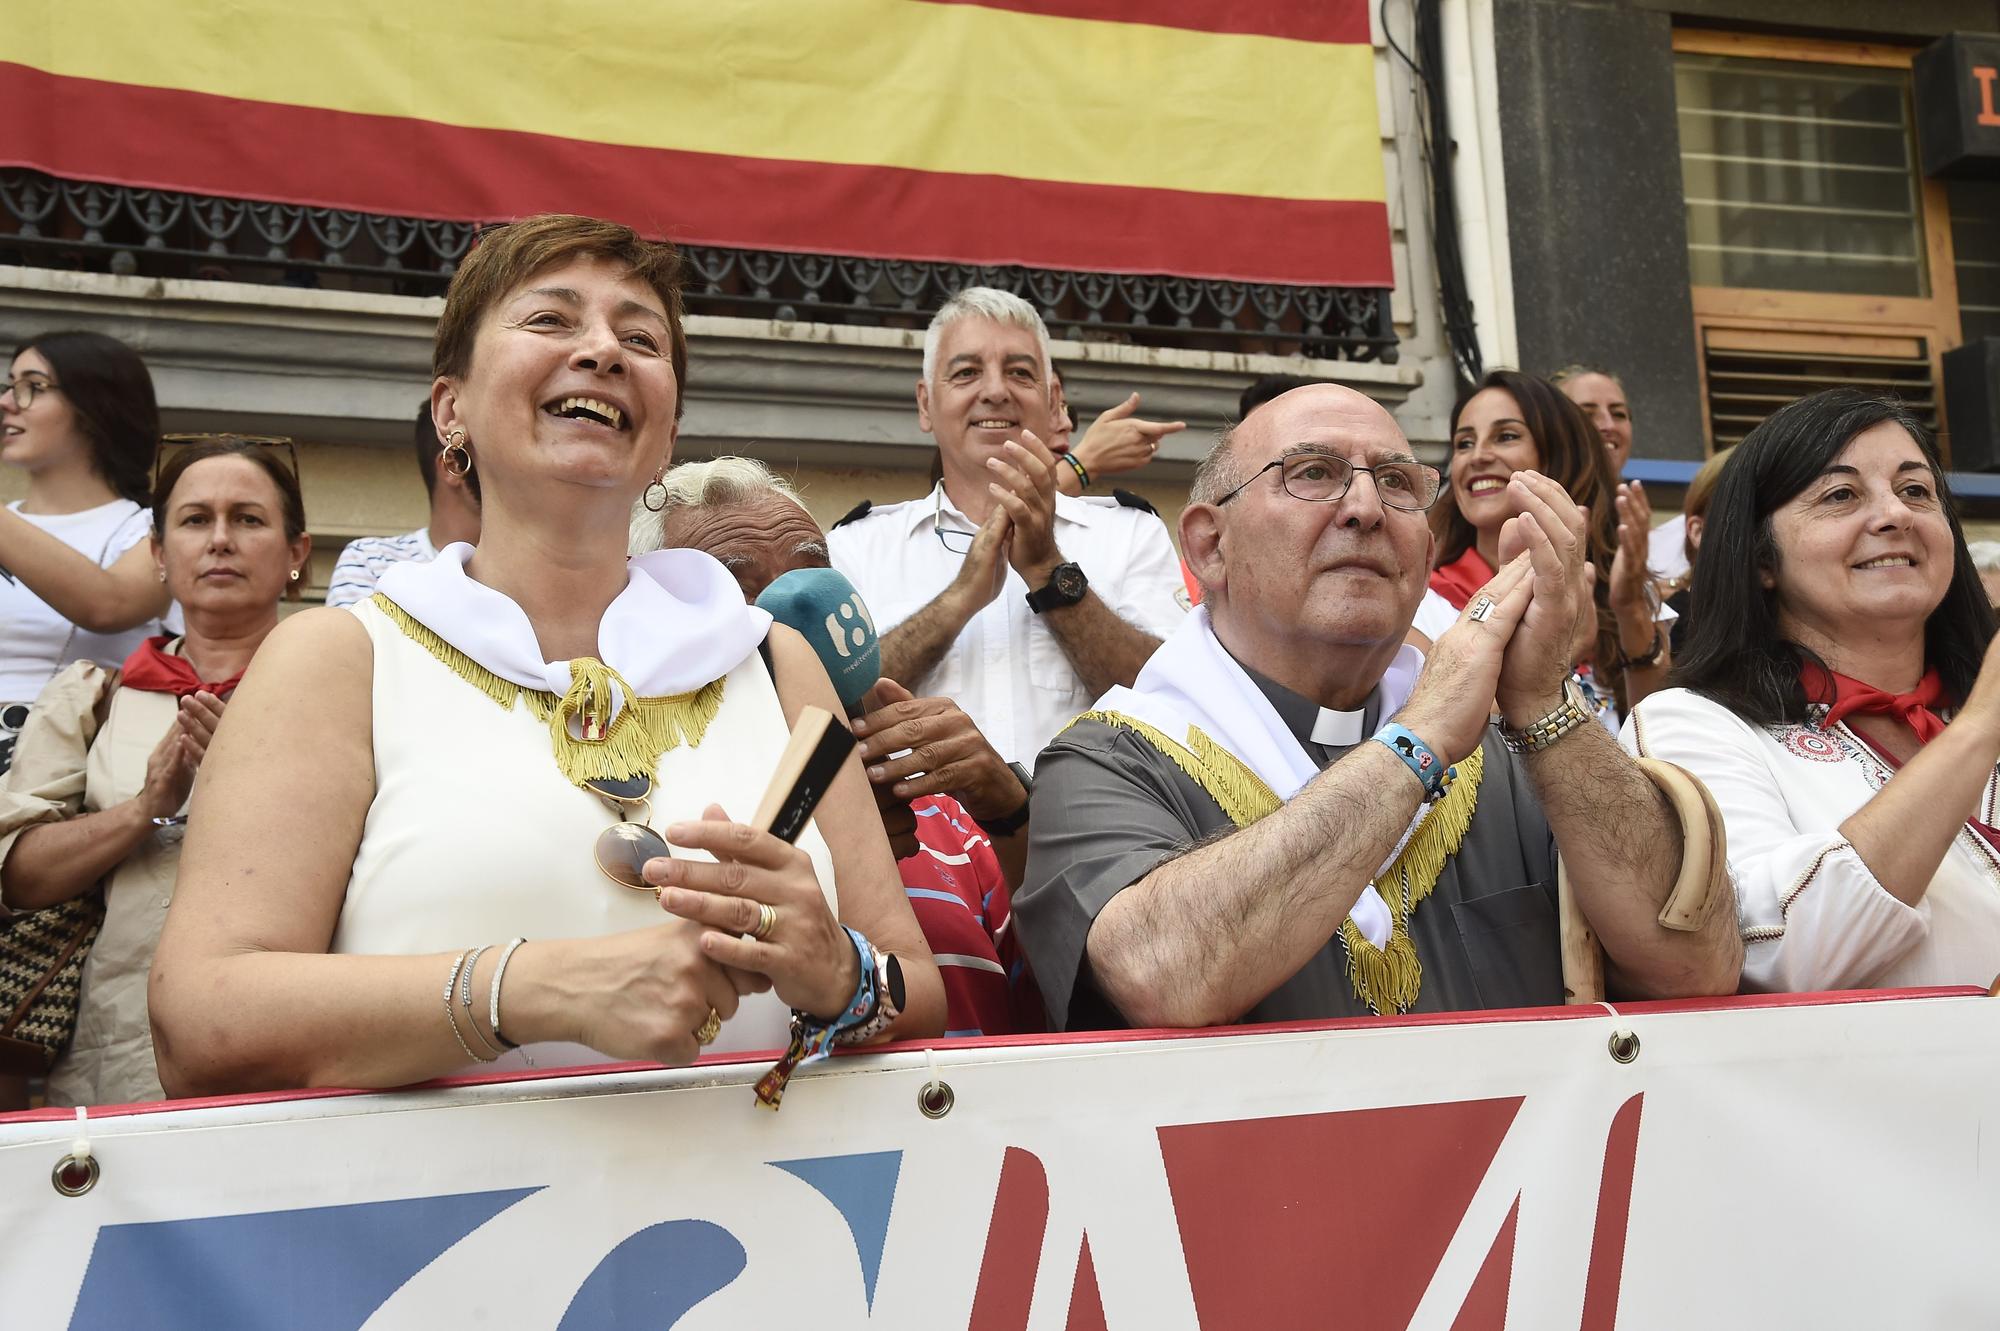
[899, 83]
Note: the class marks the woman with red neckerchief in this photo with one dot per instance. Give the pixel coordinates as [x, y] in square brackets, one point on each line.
[1838, 696]
[97, 795]
[1511, 422]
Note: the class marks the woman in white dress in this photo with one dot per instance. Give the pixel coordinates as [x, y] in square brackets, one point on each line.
[108, 757]
[77, 415]
[1840, 698]
[404, 789]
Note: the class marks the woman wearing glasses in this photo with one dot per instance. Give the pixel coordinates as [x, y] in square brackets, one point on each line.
[98, 790]
[76, 583]
[1517, 422]
[499, 746]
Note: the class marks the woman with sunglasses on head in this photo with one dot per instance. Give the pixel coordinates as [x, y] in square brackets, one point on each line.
[98, 792]
[76, 583]
[1512, 422]
[499, 746]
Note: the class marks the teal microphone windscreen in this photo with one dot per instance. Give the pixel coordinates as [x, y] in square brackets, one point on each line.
[823, 605]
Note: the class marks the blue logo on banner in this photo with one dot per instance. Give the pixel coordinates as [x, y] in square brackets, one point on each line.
[324, 1268]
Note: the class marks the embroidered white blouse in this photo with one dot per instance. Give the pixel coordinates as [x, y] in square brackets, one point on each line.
[1813, 914]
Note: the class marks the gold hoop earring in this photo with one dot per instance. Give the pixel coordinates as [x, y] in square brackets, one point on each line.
[454, 457]
[647, 498]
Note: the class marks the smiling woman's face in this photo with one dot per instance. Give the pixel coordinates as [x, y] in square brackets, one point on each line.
[1489, 444]
[571, 380]
[1866, 546]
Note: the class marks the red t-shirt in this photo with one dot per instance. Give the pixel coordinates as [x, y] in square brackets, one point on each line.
[961, 901]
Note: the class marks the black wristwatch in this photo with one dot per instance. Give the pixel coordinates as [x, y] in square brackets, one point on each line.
[1066, 587]
[1016, 820]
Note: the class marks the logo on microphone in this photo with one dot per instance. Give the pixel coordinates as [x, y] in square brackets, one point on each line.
[856, 628]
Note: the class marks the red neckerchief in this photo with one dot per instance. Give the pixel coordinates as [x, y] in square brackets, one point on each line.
[151, 670]
[1463, 576]
[1851, 697]
[1845, 696]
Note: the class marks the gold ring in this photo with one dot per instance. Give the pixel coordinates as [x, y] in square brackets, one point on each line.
[1481, 609]
[705, 1033]
[767, 920]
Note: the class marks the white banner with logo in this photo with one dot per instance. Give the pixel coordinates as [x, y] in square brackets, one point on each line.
[1753, 1163]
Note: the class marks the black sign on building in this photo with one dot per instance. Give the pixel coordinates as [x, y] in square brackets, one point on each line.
[1958, 106]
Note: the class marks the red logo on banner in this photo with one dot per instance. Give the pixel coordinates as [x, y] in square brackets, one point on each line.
[1348, 1213]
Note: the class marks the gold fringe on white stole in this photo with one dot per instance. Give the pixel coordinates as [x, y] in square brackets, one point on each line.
[628, 745]
[1387, 979]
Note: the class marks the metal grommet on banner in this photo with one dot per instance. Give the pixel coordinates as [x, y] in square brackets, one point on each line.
[934, 1097]
[76, 1173]
[1623, 1044]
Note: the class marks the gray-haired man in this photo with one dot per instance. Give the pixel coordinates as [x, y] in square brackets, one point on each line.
[1019, 603]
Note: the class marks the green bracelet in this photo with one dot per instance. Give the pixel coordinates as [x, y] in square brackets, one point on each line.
[1082, 476]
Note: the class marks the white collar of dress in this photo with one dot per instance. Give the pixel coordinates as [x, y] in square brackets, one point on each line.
[680, 623]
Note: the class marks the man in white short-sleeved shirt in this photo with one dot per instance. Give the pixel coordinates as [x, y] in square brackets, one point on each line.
[1019, 603]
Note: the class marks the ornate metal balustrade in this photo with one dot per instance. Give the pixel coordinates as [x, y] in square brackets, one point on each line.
[51, 223]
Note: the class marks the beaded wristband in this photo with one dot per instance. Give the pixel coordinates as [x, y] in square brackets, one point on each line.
[1430, 770]
[812, 1039]
[1082, 476]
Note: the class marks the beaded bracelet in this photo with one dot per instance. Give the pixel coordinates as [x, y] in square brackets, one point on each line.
[493, 998]
[1082, 476]
[465, 1001]
[451, 1018]
[812, 1039]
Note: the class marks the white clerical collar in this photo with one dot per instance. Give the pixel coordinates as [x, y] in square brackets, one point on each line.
[680, 623]
[1338, 729]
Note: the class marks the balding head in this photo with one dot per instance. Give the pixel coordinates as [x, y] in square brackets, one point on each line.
[1310, 584]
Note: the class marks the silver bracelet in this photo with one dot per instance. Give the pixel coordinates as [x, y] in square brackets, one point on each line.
[451, 1018]
[493, 999]
[465, 1001]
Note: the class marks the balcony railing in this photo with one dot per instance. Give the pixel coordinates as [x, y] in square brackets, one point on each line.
[50, 223]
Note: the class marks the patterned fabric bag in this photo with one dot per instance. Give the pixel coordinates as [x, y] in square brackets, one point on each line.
[41, 980]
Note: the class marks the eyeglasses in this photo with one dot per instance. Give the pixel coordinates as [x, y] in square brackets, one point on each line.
[25, 391]
[181, 441]
[1321, 478]
[624, 847]
[946, 535]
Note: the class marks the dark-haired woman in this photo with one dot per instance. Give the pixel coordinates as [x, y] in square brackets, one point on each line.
[1840, 698]
[76, 584]
[98, 791]
[1513, 422]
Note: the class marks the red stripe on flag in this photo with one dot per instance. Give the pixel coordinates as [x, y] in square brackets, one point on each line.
[202, 144]
[1338, 21]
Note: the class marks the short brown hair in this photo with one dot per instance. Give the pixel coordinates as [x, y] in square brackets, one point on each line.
[509, 255]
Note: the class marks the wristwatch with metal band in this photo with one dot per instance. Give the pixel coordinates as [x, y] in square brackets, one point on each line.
[1066, 586]
[1572, 712]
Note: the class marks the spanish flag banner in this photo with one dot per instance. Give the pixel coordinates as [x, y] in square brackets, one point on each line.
[1226, 139]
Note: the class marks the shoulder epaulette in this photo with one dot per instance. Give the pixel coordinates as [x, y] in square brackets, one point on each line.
[855, 514]
[1130, 500]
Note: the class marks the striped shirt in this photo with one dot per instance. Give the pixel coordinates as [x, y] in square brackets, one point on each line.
[362, 563]
[960, 899]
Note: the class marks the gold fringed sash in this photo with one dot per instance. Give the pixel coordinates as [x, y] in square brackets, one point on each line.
[1386, 979]
[618, 747]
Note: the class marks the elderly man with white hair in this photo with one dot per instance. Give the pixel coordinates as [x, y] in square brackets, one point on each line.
[1293, 815]
[1018, 602]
